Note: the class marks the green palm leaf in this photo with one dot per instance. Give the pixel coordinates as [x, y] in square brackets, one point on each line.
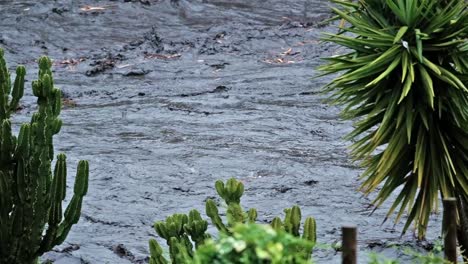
[405, 84]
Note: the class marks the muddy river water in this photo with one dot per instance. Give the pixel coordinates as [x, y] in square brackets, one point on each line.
[164, 97]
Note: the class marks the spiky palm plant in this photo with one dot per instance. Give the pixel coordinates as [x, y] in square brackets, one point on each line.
[402, 80]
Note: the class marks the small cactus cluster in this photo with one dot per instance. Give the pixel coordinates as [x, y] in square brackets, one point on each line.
[32, 220]
[182, 231]
[292, 224]
[231, 193]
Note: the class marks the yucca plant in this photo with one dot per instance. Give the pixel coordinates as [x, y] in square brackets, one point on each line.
[403, 76]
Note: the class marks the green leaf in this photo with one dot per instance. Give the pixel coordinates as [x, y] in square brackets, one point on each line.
[390, 68]
[419, 46]
[400, 34]
[428, 85]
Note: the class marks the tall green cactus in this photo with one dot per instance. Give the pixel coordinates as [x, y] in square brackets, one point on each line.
[31, 218]
[178, 228]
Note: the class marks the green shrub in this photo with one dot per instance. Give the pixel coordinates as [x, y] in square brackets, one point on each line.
[182, 232]
[403, 82]
[254, 244]
[433, 257]
[31, 217]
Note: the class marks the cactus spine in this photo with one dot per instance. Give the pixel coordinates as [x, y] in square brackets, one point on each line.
[178, 228]
[31, 218]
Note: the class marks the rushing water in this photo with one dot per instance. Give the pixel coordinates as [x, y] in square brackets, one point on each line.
[166, 96]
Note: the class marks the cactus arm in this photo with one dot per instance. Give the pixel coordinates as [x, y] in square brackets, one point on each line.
[6, 145]
[310, 230]
[310, 234]
[180, 250]
[6, 187]
[45, 65]
[173, 226]
[21, 182]
[156, 253]
[196, 228]
[219, 186]
[231, 192]
[16, 233]
[234, 190]
[18, 88]
[160, 228]
[277, 224]
[56, 104]
[81, 180]
[252, 215]
[235, 214]
[37, 208]
[179, 230]
[57, 195]
[58, 190]
[73, 211]
[5, 201]
[287, 220]
[292, 220]
[5, 209]
[174, 249]
[296, 219]
[185, 252]
[213, 214]
[23, 143]
[186, 247]
[5, 86]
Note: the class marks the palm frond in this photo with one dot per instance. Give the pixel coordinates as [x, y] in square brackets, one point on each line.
[404, 82]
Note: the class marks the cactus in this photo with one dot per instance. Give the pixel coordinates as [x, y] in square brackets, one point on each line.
[32, 221]
[292, 220]
[292, 224]
[231, 193]
[310, 230]
[156, 253]
[196, 228]
[178, 228]
[252, 215]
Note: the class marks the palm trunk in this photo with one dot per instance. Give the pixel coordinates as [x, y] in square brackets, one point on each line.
[462, 229]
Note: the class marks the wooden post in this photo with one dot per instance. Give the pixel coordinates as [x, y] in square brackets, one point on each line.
[449, 229]
[349, 245]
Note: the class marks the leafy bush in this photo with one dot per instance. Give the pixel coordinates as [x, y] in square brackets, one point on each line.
[182, 232]
[403, 81]
[31, 217]
[433, 257]
[252, 244]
